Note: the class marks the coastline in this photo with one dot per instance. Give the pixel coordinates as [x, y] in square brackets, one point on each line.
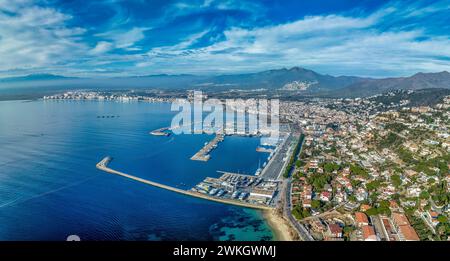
[280, 227]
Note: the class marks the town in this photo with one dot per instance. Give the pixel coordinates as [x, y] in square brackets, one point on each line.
[372, 172]
[368, 169]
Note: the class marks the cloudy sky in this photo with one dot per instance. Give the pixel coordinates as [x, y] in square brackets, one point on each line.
[107, 38]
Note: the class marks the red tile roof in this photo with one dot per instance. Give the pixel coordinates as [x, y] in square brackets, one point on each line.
[369, 233]
[361, 218]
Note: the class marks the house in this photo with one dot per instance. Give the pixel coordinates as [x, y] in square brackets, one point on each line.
[361, 194]
[361, 219]
[432, 217]
[325, 196]
[318, 226]
[364, 207]
[335, 230]
[306, 203]
[369, 233]
[405, 231]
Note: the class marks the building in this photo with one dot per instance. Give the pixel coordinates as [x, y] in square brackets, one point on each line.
[334, 230]
[405, 231]
[369, 233]
[364, 207]
[361, 219]
[262, 193]
[325, 196]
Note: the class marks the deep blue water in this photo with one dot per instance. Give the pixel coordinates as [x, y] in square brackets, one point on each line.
[50, 188]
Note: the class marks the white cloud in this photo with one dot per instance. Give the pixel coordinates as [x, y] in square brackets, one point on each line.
[35, 36]
[333, 44]
[101, 47]
[125, 39]
[37, 39]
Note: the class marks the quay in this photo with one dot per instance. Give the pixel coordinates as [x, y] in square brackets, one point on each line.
[103, 166]
[203, 153]
[235, 174]
[263, 149]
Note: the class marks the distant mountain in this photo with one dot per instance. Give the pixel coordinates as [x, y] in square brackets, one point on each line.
[417, 81]
[281, 79]
[293, 82]
[35, 77]
[420, 97]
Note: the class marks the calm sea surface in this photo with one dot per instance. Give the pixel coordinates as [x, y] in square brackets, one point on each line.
[50, 188]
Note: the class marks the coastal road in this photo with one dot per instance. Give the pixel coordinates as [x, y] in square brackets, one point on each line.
[301, 230]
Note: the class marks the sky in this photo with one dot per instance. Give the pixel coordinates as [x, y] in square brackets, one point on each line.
[109, 38]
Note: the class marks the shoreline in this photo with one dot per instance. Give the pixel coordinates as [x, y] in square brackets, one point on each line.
[280, 227]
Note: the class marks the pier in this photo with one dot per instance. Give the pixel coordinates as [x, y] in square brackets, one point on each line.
[203, 153]
[103, 165]
[161, 132]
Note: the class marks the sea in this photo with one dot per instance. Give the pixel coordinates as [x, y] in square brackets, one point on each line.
[50, 188]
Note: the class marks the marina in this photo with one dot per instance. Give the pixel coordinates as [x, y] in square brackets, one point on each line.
[216, 196]
[239, 187]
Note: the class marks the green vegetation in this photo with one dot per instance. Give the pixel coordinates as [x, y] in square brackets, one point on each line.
[405, 155]
[299, 212]
[293, 156]
[439, 193]
[374, 185]
[383, 208]
[347, 232]
[318, 180]
[359, 171]
[423, 231]
[315, 204]
[391, 140]
[299, 163]
[330, 167]
[396, 181]
[396, 126]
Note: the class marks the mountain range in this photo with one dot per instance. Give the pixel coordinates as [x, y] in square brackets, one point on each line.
[295, 80]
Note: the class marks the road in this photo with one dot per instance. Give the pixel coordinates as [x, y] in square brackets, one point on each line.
[301, 230]
[286, 205]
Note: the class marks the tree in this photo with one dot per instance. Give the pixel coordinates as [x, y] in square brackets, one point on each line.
[442, 219]
[359, 171]
[396, 181]
[315, 204]
[371, 212]
[424, 195]
[374, 185]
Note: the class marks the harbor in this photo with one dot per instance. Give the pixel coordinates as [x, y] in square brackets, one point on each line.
[103, 166]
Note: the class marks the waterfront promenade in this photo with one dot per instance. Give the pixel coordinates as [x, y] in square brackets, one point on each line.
[103, 165]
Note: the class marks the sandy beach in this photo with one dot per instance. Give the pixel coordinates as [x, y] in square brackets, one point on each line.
[281, 227]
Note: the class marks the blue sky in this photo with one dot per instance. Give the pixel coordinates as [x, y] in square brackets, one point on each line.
[137, 37]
